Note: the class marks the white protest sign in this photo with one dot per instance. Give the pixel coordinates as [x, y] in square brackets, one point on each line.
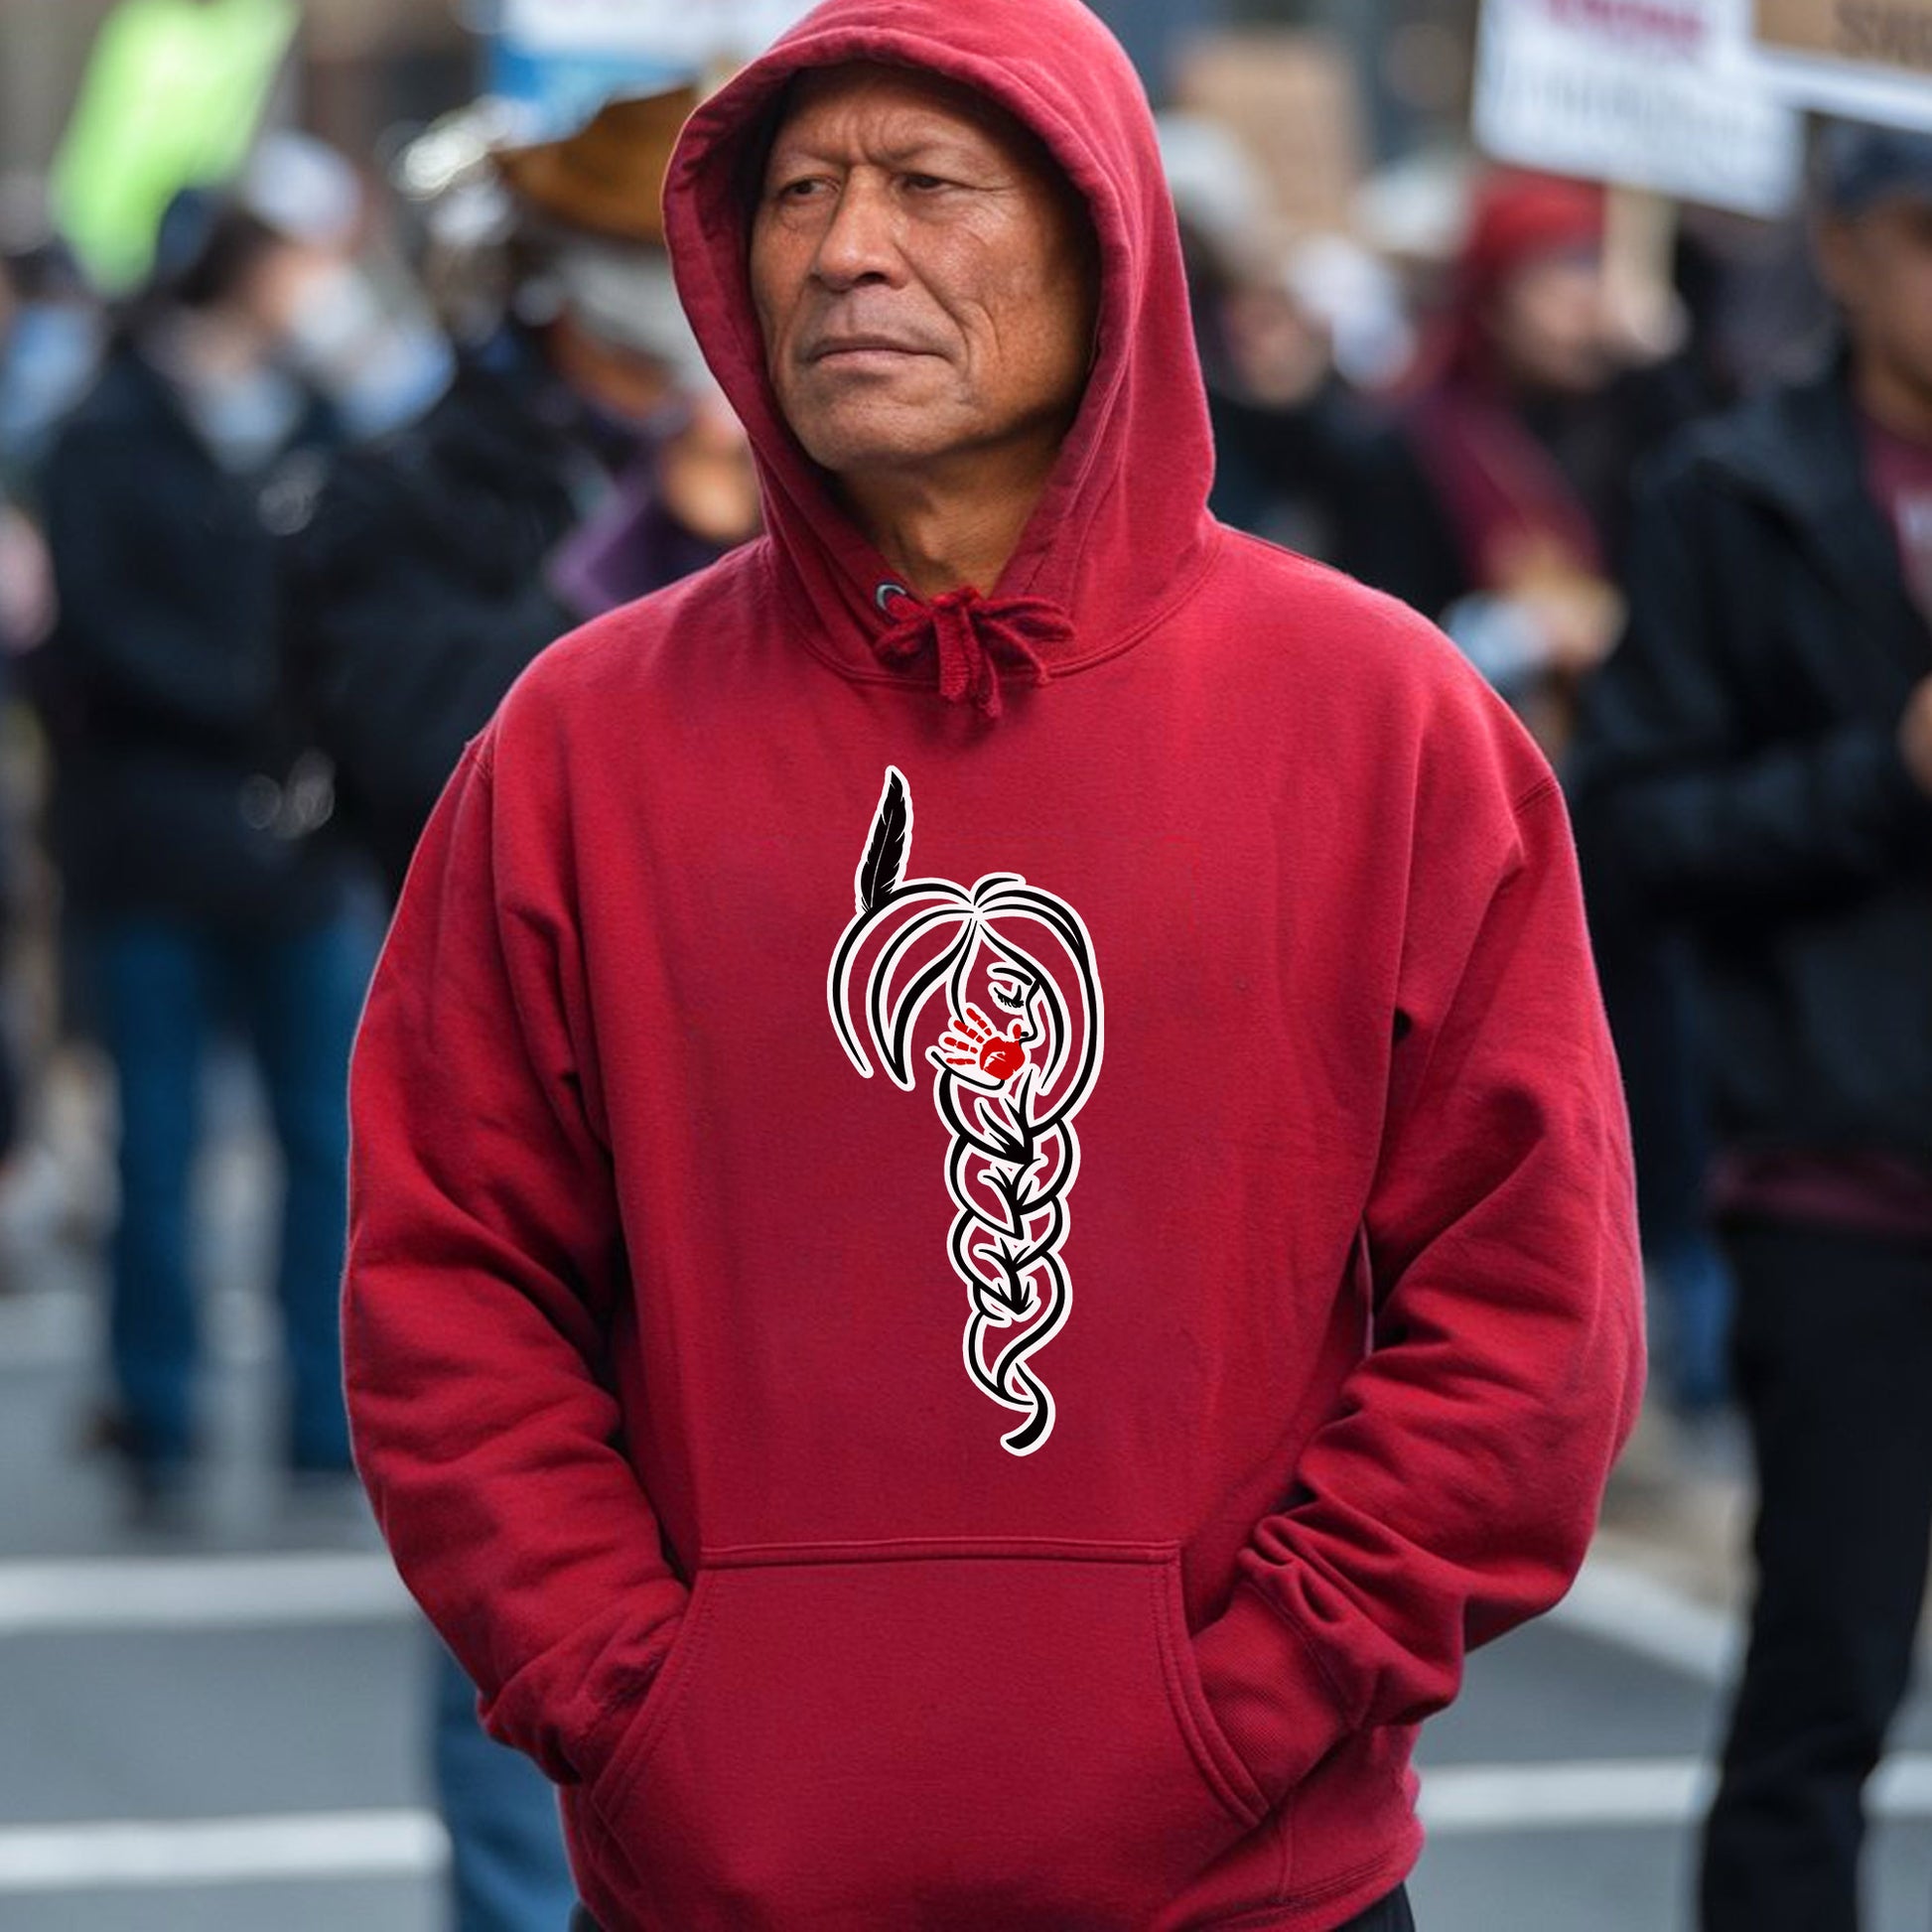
[1870, 60]
[679, 33]
[1658, 94]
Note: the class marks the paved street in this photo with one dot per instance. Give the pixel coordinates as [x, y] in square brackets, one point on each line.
[260, 1697]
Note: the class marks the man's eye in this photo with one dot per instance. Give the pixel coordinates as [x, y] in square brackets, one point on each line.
[925, 183]
[799, 190]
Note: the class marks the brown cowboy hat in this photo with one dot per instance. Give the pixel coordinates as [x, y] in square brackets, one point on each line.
[609, 176]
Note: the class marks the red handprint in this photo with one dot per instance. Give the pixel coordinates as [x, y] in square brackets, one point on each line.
[974, 1042]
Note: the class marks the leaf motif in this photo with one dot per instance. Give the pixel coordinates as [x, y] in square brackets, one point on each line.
[882, 869]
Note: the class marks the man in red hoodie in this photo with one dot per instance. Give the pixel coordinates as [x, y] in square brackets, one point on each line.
[1000, 881]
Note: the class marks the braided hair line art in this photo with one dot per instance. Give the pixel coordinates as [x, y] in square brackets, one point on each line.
[1002, 951]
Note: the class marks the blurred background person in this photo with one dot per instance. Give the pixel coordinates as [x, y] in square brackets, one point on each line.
[49, 346]
[1760, 753]
[1295, 441]
[581, 458]
[191, 816]
[43, 369]
[52, 332]
[1507, 465]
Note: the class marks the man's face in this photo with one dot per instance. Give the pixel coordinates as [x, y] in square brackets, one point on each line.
[1880, 267]
[925, 277]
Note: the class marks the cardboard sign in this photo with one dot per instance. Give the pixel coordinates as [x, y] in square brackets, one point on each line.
[1870, 60]
[677, 33]
[1294, 101]
[1659, 94]
[1875, 33]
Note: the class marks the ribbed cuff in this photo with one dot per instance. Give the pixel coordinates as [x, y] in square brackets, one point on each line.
[571, 1734]
[1273, 1701]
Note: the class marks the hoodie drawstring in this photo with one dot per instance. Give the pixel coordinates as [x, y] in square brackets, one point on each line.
[970, 633]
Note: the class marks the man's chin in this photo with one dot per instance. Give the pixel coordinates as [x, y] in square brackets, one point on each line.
[866, 442]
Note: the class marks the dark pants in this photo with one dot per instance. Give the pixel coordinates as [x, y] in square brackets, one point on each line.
[1834, 1362]
[1392, 1915]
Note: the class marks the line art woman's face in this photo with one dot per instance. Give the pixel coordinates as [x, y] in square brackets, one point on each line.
[1013, 989]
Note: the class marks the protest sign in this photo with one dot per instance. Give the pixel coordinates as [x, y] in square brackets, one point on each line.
[173, 93]
[560, 61]
[1658, 94]
[678, 33]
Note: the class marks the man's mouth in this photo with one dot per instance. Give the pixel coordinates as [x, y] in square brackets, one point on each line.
[835, 347]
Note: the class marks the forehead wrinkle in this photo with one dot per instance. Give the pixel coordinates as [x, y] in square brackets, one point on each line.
[907, 136]
[905, 150]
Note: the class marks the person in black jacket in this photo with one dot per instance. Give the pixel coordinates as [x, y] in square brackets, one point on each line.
[1756, 761]
[416, 593]
[190, 817]
[575, 462]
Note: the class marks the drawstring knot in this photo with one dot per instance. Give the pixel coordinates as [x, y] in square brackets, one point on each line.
[970, 633]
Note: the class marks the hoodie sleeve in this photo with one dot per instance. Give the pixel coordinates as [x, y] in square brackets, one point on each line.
[1454, 1490]
[485, 1259]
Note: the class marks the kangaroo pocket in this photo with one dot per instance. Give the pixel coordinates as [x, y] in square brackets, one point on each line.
[940, 1734]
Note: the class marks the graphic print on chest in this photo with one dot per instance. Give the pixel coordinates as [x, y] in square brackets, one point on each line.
[1014, 1055]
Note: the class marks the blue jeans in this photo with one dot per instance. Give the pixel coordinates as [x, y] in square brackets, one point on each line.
[508, 1868]
[163, 986]
[1696, 1283]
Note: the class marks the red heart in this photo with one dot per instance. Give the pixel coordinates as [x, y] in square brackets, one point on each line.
[1002, 1058]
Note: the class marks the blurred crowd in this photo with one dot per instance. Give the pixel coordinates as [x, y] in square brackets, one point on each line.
[284, 514]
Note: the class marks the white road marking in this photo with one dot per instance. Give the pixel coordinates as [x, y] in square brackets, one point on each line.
[50, 1328]
[1620, 1605]
[1458, 1801]
[299, 1589]
[125, 1855]
[1465, 1800]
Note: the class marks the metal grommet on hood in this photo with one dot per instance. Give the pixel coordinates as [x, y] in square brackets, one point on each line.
[883, 594]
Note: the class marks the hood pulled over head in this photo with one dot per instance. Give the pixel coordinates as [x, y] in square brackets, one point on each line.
[1121, 532]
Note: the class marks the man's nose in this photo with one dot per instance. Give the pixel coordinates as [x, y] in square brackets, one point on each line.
[859, 243]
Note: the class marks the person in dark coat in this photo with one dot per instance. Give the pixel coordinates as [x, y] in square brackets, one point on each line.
[190, 817]
[579, 460]
[417, 593]
[1758, 756]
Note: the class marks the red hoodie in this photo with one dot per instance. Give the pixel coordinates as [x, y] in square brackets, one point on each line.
[961, 1319]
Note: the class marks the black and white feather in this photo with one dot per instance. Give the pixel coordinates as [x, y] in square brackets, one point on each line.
[882, 869]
